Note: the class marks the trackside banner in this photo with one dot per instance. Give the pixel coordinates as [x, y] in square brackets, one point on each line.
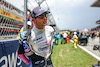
[10, 15]
[8, 54]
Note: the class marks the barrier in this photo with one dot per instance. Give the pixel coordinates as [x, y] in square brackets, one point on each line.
[8, 55]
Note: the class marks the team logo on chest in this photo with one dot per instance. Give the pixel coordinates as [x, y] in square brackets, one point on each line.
[38, 39]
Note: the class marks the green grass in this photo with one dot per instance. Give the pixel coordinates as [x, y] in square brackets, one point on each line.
[66, 55]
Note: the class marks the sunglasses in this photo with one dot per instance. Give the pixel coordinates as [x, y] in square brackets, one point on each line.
[42, 16]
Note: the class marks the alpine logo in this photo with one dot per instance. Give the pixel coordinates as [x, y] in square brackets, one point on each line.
[39, 38]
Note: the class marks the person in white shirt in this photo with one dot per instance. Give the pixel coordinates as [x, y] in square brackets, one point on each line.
[64, 36]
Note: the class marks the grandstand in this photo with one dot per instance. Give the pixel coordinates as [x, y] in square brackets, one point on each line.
[10, 17]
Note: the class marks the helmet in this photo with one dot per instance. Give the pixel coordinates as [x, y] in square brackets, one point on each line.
[66, 31]
[75, 32]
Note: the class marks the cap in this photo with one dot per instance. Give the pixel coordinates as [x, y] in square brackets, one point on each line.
[38, 11]
[66, 31]
[29, 23]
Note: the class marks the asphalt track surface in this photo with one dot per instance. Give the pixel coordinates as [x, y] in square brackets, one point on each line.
[91, 44]
[89, 47]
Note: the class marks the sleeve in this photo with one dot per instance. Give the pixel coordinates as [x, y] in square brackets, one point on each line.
[21, 54]
[49, 28]
[52, 39]
[21, 49]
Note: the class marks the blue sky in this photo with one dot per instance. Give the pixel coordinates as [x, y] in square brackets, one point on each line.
[70, 14]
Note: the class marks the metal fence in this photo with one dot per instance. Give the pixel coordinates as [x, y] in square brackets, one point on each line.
[10, 17]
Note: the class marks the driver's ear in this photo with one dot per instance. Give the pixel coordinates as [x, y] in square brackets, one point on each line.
[33, 19]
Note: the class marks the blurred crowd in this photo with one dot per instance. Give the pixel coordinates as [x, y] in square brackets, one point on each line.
[62, 37]
[78, 37]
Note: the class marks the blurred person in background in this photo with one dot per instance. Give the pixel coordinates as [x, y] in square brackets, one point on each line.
[61, 34]
[87, 36]
[56, 38]
[84, 38]
[59, 39]
[69, 37]
[20, 34]
[64, 36]
[75, 38]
